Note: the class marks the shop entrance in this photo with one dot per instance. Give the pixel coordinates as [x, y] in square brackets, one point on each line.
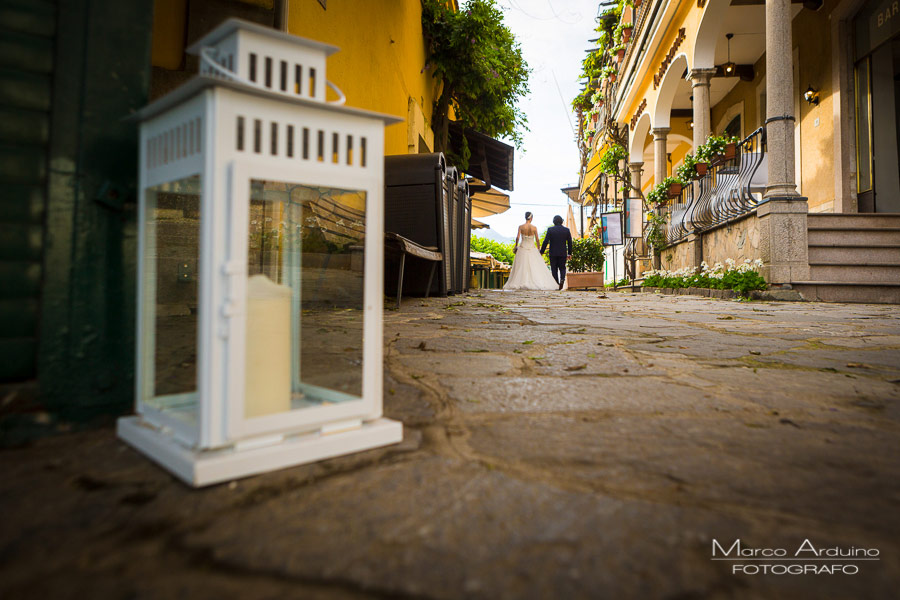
[877, 85]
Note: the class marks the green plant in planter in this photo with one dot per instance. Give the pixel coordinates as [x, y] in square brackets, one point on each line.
[609, 160]
[658, 195]
[582, 101]
[587, 255]
[610, 71]
[688, 169]
[712, 148]
[619, 34]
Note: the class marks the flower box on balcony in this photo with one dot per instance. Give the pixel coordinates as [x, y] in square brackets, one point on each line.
[626, 34]
[611, 77]
[701, 168]
[730, 151]
[674, 190]
[620, 54]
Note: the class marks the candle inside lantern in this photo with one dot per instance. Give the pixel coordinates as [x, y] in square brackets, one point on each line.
[268, 376]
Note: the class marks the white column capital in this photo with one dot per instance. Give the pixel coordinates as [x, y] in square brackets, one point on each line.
[701, 77]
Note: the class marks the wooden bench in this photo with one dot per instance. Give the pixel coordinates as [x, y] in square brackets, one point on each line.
[398, 244]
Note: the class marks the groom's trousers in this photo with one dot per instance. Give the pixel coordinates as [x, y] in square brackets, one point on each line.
[558, 268]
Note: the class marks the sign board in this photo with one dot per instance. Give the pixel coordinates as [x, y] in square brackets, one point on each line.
[634, 218]
[612, 228]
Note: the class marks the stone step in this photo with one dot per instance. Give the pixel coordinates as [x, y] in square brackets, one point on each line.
[852, 236]
[855, 254]
[868, 272]
[855, 292]
[860, 220]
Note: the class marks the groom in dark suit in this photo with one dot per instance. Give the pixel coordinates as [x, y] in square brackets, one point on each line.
[560, 240]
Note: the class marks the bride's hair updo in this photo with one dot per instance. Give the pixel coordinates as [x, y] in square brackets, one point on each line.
[527, 216]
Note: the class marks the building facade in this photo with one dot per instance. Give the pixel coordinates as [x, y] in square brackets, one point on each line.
[808, 91]
[69, 75]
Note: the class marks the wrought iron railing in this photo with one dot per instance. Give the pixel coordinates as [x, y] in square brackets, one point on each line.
[730, 187]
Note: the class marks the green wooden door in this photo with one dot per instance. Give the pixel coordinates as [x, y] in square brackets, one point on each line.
[27, 30]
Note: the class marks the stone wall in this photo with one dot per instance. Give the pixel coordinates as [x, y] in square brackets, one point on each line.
[738, 239]
[677, 256]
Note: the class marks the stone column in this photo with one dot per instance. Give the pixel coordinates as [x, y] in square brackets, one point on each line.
[636, 168]
[659, 153]
[782, 218]
[780, 100]
[700, 87]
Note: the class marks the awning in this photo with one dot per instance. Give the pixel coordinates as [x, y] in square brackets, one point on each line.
[491, 160]
[571, 193]
[591, 176]
[487, 201]
[486, 260]
[479, 225]
[571, 225]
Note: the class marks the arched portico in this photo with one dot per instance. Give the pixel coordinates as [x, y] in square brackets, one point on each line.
[662, 109]
[708, 34]
[638, 139]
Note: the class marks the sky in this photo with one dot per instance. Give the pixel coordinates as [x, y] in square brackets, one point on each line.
[554, 35]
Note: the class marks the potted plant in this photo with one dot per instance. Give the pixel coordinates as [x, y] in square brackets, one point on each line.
[731, 147]
[609, 72]
[701, 168]
[718, 148]
[688, 168]
[609, 160]
[658, 195]
[586, 265]
[673, 186]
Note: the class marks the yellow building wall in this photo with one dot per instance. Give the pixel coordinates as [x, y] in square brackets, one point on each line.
[688, 16]
[381, 63]
[812, 39]
[812, 34]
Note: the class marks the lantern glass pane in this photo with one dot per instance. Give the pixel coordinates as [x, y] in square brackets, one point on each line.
[304, 333]
[170, 297]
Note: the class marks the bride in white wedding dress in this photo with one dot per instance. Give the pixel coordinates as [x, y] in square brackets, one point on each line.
[529, 272]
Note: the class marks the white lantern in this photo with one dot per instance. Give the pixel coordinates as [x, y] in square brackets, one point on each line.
[261, 265]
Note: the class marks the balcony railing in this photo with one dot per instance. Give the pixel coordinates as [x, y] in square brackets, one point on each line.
[730, 188]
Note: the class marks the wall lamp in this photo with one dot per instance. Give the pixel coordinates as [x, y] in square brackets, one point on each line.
[811, 95]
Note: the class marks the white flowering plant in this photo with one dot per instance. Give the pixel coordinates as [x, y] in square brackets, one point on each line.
[741, 277]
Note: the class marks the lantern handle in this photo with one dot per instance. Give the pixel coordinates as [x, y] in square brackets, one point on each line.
[342, 97]
[208, 56]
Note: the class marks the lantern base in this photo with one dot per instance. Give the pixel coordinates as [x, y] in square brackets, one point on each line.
[199, 468]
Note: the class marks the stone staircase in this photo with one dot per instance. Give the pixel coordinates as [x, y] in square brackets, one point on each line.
[853, 258]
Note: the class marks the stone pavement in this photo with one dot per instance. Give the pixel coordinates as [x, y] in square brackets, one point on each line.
[558, 445]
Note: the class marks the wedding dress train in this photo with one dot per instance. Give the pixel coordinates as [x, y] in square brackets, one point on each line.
[529, 272]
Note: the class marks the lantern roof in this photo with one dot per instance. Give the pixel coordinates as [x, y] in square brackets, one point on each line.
[198, 83]
[231, 25]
